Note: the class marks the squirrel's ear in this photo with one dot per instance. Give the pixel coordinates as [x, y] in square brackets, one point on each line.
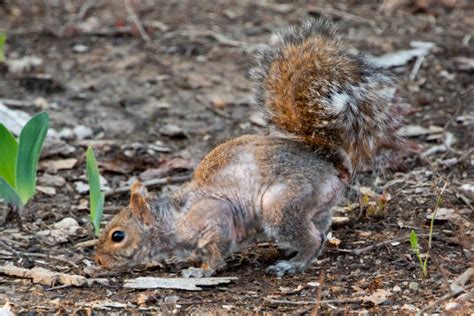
[138, 205]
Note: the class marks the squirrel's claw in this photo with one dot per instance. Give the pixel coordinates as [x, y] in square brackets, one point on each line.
[282, 267]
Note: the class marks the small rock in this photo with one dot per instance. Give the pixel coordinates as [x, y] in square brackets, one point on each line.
[80, 48]
[50, 180]
[23, 65]
[89, 25]
[66, 134]
[82, 132]
[413, 286]
[468, 189]
[313, 284]
[41, 102]
[172, 130]
[62, 230]
[258, 118]
[81, 187]
[409, 307]
[171, 299]
[396, 289]
[452, 307]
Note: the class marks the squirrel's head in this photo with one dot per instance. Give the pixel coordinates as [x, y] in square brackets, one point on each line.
[128, 240]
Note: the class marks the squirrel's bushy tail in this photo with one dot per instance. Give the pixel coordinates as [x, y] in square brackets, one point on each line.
[315, 90]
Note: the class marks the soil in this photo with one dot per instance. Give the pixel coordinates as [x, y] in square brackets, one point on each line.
[169, 99]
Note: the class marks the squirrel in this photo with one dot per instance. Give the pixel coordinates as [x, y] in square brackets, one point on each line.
[331, 112]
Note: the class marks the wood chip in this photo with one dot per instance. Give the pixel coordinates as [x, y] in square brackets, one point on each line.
[190, 284]
[378, 297]
[53, 166]
[43, 276]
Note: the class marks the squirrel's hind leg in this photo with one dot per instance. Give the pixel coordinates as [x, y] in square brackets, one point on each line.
[294, 226]
[307, 239]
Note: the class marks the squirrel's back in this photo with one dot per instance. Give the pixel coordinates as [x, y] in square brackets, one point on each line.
[313, 89]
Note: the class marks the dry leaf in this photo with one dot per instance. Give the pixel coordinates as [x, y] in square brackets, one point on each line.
[46, 190]
[167, 168]
[53, 166]
[117, 165]
[63, 230]
[378, 297]
[51, 180]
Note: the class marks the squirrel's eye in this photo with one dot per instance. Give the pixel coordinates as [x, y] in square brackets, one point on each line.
[118, 236]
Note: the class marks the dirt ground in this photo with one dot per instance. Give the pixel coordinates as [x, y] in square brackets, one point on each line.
[161, 100]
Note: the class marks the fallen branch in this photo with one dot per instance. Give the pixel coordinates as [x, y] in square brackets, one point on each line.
[43, 276]
[152, 183]
[444, 298]
[190, 284]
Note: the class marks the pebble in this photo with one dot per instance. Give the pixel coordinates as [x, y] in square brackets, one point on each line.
[80, 48]
[413, 286]
[66, 134]
[82, 132]
[396, 289]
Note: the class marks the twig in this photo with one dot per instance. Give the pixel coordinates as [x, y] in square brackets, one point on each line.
[17, 103]
[380, 244]
[138, 24]
[152, 183]
[315, 311]
[444, 298]
[84, 9]
[209, 106]
[218, 37]
[86, 244]
[416, 67]
[38, 255]
[336, 301]
[342, 14]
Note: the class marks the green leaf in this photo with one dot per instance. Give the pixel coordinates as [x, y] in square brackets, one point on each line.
[413, 240]
[96, 197]
[8, 154]
[29, 149]
[3, 39]
[8, 194]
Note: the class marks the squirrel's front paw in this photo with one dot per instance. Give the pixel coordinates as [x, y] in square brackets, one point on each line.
[193, 272]
[280, 268]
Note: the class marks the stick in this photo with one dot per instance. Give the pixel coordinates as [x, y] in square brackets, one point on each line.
[315, 311]
[38, 255]
[17, 103]
[383, 243]
[152, 183]
[444, 298]
[342, 14]
[138, 24]
[339, 301]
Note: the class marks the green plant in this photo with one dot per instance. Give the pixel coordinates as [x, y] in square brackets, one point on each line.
[3, 39]
[96, 196]
[414, 238]
[19, 160]
[416, 248]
